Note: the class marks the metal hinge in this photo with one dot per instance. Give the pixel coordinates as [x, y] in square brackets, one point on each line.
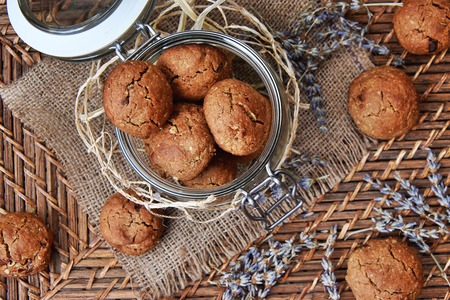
[274, 200]
[147, 31]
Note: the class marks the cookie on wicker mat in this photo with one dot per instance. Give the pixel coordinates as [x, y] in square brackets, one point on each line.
[25, 245]
[129, 227]
[137, 98]
[184, 146]
[385, 269]
[193, 68]
[383, 103]
[423, 26]
[238, 115]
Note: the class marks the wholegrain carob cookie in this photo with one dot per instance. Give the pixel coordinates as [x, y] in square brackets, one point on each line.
[221, 169]
[193, 68]
[129, 227]
[423, 26]
[137, 98]
[383, 102]
[184, 146]
[239, 116]
[25, 245]
[385, 269]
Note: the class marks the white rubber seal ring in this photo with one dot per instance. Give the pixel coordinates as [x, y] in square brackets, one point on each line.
[80, 44]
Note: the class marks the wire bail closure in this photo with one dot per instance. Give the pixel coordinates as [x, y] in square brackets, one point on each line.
[147, 31]
[280, 186]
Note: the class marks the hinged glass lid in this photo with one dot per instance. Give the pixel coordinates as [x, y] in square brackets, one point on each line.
[76, 30]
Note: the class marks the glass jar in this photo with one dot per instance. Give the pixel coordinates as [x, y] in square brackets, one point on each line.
[79, 40]
[279, 127]
[56, 30]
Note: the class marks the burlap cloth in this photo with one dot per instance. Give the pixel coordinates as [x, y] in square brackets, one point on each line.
[44, 100]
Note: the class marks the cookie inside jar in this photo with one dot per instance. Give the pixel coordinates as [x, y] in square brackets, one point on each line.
[220, 133]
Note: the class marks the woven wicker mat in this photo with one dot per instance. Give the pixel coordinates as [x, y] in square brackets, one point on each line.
[31, 177]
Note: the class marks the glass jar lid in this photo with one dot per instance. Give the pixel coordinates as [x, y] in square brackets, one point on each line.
[76, 30]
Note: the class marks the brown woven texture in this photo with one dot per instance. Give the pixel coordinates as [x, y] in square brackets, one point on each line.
[82, 267]
[43, 100]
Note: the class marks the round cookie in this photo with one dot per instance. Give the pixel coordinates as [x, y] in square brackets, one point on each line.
[238, 116]
[221, 169]
[129, 227]
[423, 26]
[383, 103]
[385, 269]
[184, 146]
[193, 68]
[25, 245]
[137, 98]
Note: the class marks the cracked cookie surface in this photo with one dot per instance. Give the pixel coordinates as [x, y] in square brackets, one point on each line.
[184, 146]
[385, 269]
[193, 68]
[137, 98]
[423, 26]
[25, 245]
[383, 102]
[239, 116]
[129, 227]
[221, 169]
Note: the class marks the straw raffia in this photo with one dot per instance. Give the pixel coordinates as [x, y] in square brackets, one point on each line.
[89, 110]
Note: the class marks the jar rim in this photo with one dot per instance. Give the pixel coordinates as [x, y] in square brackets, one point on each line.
[70, 29]
[86, 42]
[275, 94]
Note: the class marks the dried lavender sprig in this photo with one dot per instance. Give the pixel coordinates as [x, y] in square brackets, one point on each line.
[276, 191]
[415, 233]
[256, 272]
[357, 4]
[437, 186]
[316, 17]
[328, 277]
[387, 223]
[307, 182]
[336, 33]
[398, 62]
[416, 201]
[361, 42]
[298, 159]
[317, 102]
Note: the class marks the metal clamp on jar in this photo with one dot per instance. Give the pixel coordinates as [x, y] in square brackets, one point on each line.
[106, 27]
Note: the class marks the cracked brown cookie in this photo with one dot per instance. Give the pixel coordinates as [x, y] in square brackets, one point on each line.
[385, 269]
[137, 98]
[184, 146]
[25, 245]
[129, 227]
[193, 68]
[423, 26]
[221, 169]
[239, 116]
[383, 103]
